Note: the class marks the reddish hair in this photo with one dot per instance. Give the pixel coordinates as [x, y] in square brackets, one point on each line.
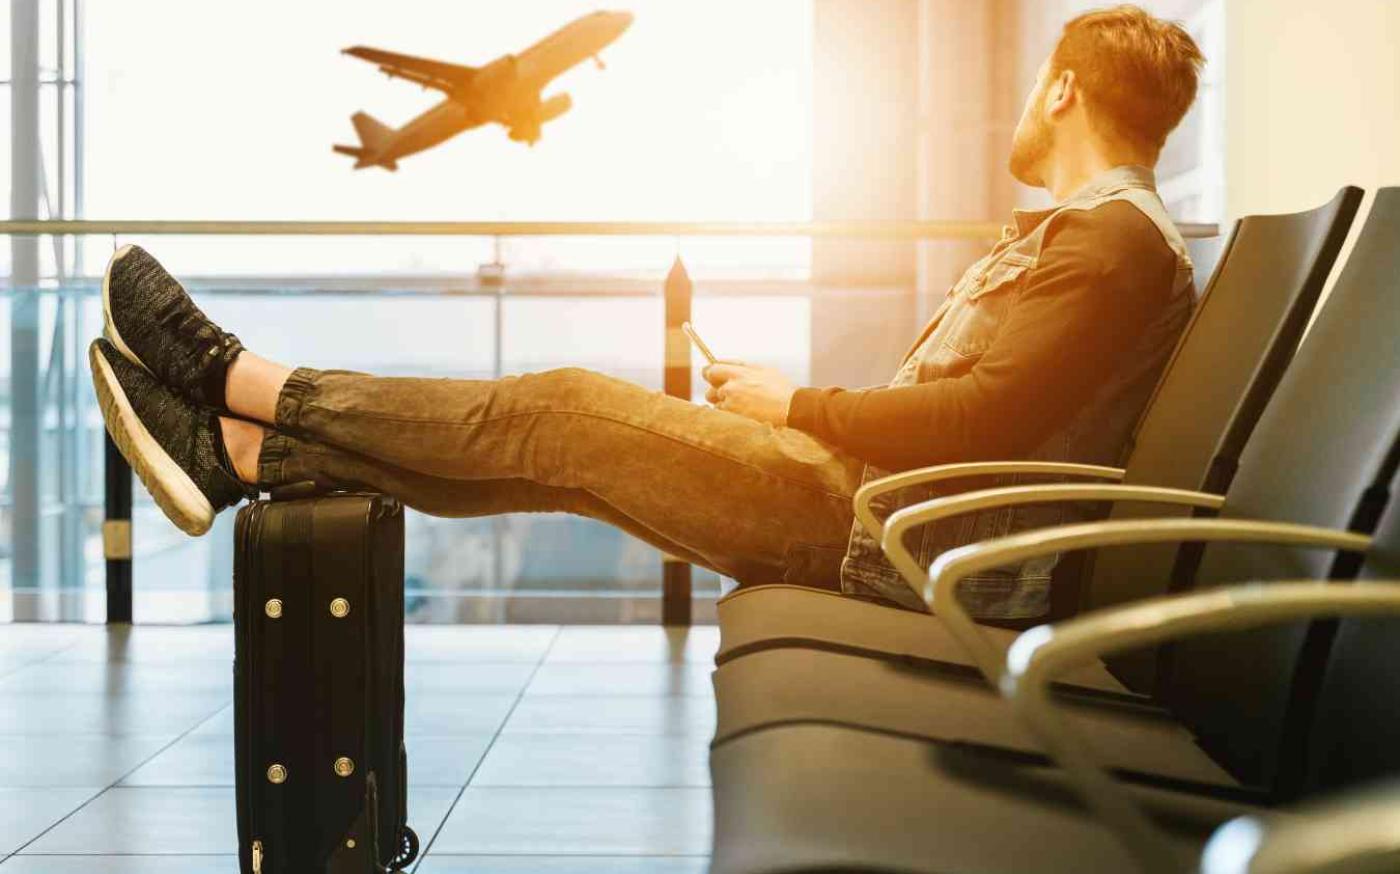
[1137, 73]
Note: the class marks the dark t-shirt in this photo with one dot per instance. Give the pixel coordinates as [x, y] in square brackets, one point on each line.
[1102, 278]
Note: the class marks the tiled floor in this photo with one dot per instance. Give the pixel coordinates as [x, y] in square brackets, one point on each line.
[531, 749]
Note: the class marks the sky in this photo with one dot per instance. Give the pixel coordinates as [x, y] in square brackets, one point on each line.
[229, 111]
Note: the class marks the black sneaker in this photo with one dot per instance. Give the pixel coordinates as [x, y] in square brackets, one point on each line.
[151, 320]
[173, 445]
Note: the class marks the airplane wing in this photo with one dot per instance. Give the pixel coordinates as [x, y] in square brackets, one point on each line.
[428, 73]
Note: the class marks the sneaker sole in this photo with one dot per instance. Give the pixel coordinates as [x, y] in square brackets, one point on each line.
[109, 327]
[173, 490]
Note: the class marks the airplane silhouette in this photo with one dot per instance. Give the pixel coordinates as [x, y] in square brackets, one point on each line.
[505, 91]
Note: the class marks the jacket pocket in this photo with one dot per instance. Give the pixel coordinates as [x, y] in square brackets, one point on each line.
[980, 314]
[814, 565]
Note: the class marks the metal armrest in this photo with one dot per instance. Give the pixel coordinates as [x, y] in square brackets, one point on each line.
[926, 475]
[1043, 653]
[1355, 833]
[953, 505]
[950, 568]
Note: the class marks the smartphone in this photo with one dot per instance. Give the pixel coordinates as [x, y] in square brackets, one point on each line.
[699, 344]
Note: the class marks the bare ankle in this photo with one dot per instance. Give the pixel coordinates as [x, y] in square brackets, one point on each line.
[243, 442]
[252, 386]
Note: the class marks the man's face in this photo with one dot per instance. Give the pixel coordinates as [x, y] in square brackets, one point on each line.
[1034, 134]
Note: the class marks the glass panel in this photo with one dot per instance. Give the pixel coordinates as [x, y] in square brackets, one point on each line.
[68, 464]
[5, 168]
[48, 38]
[1191, 172]
[5, 49]
[714, 98]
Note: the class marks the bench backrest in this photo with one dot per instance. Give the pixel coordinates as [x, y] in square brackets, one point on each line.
[1322, 451]
[1354, 733]
[1242, 336]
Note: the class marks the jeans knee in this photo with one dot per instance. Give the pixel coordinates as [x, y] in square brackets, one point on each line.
[576, 388]
[567, 376]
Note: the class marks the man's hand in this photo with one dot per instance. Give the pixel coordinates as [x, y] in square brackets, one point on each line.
[758, 393]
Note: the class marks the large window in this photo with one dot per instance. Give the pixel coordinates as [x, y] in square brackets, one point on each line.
[160, 109]
[1191, 173]
[229, 111]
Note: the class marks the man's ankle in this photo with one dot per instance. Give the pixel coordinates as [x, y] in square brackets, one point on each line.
[243, 443]
[252, 386]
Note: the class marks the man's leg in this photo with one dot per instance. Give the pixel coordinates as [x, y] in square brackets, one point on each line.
[286, 460]
[742, 496]
[730, 493]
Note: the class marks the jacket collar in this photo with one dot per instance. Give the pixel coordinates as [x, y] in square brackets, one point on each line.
[1107, 182]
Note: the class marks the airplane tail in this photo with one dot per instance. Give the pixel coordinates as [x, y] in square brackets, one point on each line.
[374, 136]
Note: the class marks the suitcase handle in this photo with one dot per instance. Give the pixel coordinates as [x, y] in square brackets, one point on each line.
[311, 489]
[298, 490]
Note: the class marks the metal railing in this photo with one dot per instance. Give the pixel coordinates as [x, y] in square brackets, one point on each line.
[677, 295]
[866, 230]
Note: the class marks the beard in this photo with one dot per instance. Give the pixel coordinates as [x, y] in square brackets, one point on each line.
[1030, 147]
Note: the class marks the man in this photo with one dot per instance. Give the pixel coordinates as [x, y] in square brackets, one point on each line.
[1046, 348]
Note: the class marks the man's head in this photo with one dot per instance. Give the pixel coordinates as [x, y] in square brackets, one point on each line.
[1117, 83]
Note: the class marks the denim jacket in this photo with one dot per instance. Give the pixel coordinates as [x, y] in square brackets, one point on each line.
[964, 325]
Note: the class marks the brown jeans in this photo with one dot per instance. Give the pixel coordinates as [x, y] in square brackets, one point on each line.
[753, 502]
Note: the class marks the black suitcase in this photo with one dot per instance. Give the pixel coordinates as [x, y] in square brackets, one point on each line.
[318, 685]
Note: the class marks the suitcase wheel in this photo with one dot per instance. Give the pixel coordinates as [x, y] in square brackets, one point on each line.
[408, 850]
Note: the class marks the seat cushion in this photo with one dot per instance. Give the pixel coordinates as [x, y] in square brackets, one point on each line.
[764, 617]
[790, 685]
[829, 798]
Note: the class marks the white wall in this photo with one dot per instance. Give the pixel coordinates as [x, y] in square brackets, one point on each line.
[1312, 101]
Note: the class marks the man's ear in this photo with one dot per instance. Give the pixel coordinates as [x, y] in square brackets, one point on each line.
[1062, 94]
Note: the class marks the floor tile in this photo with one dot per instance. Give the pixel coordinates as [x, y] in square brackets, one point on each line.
[208, 760]
[13, 661]
[621, 678]
[26, 864]
[422, 678]
[442, 863]
[219, 724]
[43, 638]
[52, 676]
[668, 715]
[444, 761]
[83, 760]
[595, 760]
[187, 821]
[148, 713]
[635, 644]
[592, 821]
[453, 715]
[427, 714]
[191, 761]
[25, 813]
[601, 767]
[428, 806]
[142, 820]
[153, 643]
[477, 643]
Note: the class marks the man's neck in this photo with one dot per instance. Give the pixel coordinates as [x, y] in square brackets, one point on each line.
[1070, 173]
